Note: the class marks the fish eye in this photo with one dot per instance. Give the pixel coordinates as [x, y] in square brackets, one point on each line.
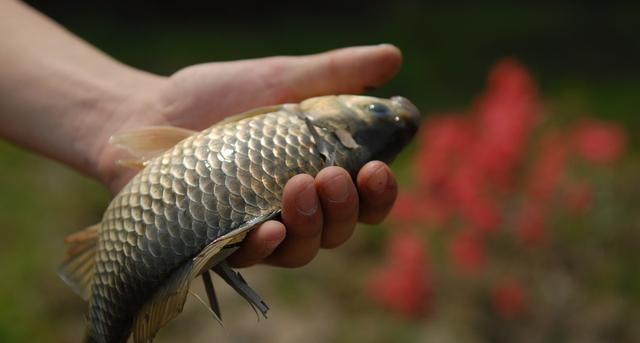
[378, 109]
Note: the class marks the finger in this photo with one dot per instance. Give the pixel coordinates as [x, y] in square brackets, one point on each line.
[273, 80]
[259, 244]
[347, 70]
[339, 200]
[378, 190]
[302, 215]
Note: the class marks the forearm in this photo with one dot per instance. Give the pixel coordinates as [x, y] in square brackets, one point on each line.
[57, 93]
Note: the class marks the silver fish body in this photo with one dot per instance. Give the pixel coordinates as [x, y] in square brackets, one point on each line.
[214, 182]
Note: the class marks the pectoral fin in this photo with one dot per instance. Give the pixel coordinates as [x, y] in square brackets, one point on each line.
[211, 294]
[236, 281]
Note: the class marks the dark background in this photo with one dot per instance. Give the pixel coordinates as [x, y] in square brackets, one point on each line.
[588, 50]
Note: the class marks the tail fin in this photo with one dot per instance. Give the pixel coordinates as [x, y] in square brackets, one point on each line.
[78, 267]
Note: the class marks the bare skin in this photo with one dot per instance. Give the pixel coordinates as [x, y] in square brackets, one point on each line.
[63, 98]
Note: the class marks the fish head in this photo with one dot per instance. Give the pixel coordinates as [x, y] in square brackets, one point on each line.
[382, 127]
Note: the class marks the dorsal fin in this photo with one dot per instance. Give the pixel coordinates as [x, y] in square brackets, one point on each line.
[250, 113]
[168, 300]
[149, 142]
[78, 267]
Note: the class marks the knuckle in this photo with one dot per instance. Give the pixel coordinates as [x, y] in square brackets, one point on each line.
[343, 212]
[303, 226]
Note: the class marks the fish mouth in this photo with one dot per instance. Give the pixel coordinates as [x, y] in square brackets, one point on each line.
[407, 120]
[409, 113]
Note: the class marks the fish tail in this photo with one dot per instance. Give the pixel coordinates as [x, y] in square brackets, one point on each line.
[78, 267]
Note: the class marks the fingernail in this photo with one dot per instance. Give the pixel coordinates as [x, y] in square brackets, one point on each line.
[337, 188]
[307, 200]
[378, 181]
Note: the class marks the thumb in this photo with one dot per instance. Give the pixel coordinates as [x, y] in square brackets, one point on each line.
[347, 70]
[208, 92]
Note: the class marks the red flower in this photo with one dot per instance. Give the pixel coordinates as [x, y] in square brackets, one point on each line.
[530, 225]
[404, 285]
[443, 143]
[411, 209]
[402, 291]
[548, 168]
[406, 209]
[510, 78]
[407, 249]
[463, 160]
[467, 251]
[506, 115]
[599, 142]
[483, 214]
[509, 298]
[467, 168]
[578, 198]
[466, 189]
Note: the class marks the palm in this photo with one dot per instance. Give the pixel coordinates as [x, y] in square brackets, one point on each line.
[198, 96]
[204, 94]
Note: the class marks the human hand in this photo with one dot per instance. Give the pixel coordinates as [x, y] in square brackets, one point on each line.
[320, 212]
[62, 98]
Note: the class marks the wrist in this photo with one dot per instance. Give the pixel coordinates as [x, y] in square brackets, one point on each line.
[61, 97]
[129, 100]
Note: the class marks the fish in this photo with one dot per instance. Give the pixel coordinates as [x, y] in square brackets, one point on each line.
[198, 194]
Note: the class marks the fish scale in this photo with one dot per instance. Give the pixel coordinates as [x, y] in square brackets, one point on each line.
[189, 208]
[241, 180]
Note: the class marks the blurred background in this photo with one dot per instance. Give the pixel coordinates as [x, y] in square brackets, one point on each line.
[517, 219]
